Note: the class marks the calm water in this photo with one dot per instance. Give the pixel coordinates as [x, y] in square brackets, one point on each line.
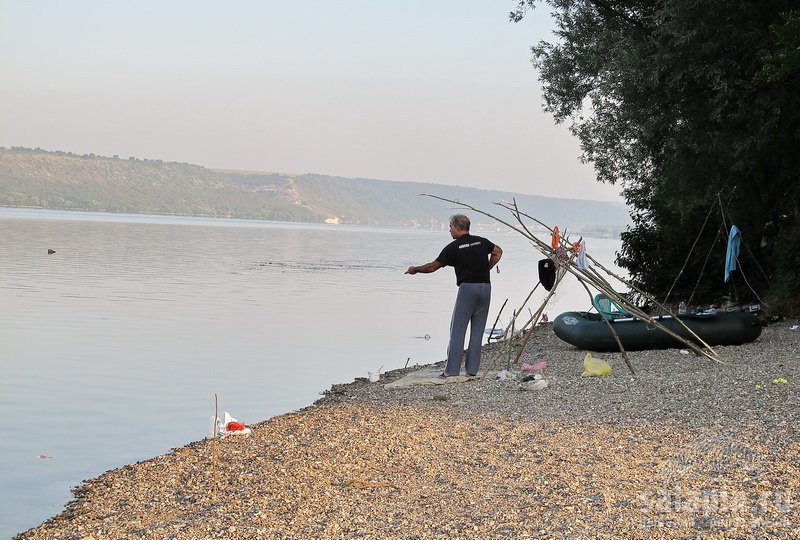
[112, 348]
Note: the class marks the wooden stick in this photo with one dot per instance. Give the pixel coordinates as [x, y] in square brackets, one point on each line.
[561, 274]
[524, 302]
[214, 448]
[511, 341]
[495, 321]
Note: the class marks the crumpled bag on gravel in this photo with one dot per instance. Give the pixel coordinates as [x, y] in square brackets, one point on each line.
[538, 367]
[592, 367]
[534, 384]
[506, 375]
[228, 426]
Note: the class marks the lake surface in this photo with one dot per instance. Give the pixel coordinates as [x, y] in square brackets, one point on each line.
[113, 347]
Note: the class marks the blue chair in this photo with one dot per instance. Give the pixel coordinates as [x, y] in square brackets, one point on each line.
[608, 308]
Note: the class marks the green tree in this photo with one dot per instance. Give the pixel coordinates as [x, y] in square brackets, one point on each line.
[693, 107]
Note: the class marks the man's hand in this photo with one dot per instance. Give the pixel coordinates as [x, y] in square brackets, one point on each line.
[426, 268]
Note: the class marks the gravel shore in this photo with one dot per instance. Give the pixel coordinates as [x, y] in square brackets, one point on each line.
[683, 448]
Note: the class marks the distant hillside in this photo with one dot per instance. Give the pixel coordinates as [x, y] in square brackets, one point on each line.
[60, 180]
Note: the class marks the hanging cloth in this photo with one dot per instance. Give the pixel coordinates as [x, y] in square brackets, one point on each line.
[556, 239]
[581, 261]
[734, 239]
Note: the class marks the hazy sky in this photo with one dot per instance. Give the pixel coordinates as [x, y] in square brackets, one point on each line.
[436, 91]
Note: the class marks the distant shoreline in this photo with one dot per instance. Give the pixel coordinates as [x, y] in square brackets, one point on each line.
[36, 178]
[120, 215]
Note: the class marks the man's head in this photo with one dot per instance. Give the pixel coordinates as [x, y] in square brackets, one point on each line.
[459, 225]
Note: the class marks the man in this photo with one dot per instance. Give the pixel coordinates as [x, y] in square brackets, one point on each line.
[471, 257]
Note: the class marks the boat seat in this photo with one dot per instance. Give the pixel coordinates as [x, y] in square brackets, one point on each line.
[608, 308]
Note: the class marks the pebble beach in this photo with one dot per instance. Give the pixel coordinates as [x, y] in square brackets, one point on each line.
[685, 447]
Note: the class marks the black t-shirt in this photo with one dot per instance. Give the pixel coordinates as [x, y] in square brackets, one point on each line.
[469, 256]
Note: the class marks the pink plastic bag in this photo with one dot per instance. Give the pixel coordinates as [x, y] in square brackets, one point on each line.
[538, 367]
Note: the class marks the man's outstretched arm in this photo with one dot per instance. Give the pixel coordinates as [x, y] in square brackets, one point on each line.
[427, 268]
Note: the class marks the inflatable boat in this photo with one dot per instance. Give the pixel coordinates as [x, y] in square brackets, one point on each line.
[590, 332]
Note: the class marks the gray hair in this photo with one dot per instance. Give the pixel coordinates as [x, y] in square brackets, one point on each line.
[460, 221]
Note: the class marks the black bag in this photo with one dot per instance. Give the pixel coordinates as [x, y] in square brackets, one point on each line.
[547, 273]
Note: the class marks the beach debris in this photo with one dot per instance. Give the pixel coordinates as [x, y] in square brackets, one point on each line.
[44, 456]
[440, 397]
[593, 367]
[794, 327]
[425, 377]
[780, 380]
[506, 375]
[533, 384]
[50, 251]
[538, 367]
[228, 425]
[495, 333]
[375, 376]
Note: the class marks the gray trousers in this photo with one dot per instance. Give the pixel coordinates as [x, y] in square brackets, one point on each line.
[472, 308]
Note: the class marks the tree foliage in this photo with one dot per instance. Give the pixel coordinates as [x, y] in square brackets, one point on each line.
[693, 107]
